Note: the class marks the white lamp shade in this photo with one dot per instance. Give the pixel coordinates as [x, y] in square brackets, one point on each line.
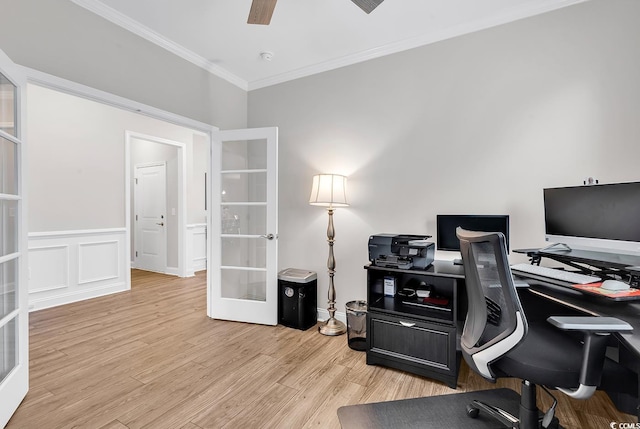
[329, 190]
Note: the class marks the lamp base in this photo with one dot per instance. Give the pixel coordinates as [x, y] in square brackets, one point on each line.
[332, 327]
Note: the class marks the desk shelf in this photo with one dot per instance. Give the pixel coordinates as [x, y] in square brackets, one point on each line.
[405, 334]
[398, 306]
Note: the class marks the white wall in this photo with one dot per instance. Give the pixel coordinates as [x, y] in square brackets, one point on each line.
[199, 156]
[76, 171]
[76, 179]
[479, 124]
[65, 40]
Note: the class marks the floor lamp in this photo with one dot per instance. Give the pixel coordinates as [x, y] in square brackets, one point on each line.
[330, 191]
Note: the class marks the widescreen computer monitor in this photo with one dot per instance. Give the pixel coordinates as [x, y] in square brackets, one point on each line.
[603, 217]
[446, 228]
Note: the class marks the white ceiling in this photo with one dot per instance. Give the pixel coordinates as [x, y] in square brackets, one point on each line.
[305, 36]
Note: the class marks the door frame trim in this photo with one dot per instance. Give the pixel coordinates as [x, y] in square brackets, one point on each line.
[65, 86]
[182, 195]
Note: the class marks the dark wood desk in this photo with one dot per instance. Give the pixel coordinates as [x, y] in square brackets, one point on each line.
[628, 343]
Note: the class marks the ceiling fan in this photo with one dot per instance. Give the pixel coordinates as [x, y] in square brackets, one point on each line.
[262, 10]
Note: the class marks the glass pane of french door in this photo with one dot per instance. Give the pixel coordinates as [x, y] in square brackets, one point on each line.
[8, 292]
[8, 196]
[8, 105]
[9, 349]
[8, 166]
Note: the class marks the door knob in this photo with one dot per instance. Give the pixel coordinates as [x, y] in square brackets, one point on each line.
[268, 236]
[161, 223]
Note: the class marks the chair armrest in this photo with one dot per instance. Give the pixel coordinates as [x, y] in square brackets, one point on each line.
[596, 332]
[589, 323]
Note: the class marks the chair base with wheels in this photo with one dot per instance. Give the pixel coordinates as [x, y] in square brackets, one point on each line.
[528, 411]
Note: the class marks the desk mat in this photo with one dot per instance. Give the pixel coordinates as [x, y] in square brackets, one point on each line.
[595, 289]
[434, 412]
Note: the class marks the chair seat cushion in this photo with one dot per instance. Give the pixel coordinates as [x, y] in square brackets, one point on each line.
[551, 357]
[546, 356]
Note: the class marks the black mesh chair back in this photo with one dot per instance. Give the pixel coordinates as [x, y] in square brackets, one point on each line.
[495, 321]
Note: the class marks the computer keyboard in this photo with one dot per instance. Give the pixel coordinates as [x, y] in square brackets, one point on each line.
[553, 273]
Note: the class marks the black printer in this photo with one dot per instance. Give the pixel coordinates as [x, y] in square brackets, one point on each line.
[402, 251]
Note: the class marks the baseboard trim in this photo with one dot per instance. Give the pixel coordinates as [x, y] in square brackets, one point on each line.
[36, 304]
[323, 314]
[172, 271]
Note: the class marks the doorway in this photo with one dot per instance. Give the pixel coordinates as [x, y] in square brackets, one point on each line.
[156, 203]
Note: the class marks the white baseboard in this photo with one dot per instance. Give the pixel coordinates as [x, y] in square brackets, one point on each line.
[172, 271]
[323, 315]
[36, 304]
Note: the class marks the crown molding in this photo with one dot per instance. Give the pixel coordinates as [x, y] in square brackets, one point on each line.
[137, 28]
[469, 27]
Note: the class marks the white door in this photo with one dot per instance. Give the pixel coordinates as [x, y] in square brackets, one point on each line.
[150, 195]
[14, 333]
[242, 281]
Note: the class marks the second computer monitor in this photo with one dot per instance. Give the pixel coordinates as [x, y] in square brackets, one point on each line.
[446, 228]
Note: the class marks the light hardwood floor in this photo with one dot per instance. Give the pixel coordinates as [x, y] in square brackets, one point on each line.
[151, 358]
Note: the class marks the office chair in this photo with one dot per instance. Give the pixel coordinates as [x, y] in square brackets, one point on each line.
[498, 340]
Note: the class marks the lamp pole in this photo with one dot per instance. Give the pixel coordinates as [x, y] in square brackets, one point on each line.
[332, 326]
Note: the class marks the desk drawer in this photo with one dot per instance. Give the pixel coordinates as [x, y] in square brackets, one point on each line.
[414, 342]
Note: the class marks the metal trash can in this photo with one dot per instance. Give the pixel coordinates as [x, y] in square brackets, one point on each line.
[357, 325]
[297, 298]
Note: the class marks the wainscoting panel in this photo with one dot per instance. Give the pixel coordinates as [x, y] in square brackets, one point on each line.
[196, 248]
[51, 271]
[98, 261]
[69, 266]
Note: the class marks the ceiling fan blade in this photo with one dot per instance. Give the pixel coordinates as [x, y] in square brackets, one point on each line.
[261, 12]
[367, 5]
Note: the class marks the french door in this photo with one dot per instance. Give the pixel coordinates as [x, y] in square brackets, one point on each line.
[244, 226]
[14, 335]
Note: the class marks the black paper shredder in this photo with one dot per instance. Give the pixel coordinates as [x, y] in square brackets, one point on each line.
[297, 298]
